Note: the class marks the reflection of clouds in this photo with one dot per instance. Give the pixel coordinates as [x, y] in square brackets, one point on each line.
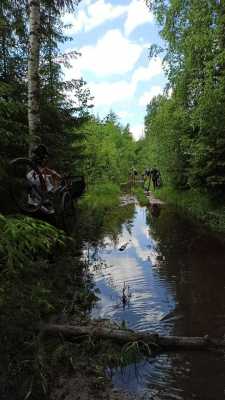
[145, 246]
[125, 269]
[153, 257]
[145, 230]
[154, 316]
[142, 253]
[135, 267]
[105, 307]
[108, 243]
[148, 252]
[124, 237]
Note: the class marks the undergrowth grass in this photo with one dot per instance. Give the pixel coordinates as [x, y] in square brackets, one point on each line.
[103, 195]
[139, 193]
[198, 204]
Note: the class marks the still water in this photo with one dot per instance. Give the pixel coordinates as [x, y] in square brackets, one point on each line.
[173, 274]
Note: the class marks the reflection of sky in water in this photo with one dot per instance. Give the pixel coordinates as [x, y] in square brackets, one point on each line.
[175, 376]
[161, 282]
[136, 267]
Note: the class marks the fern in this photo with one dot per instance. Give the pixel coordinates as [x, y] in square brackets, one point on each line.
[23, 238]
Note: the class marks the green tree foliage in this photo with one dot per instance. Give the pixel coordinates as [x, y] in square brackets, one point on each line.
[58, 112]
[13, 97]
[185, 131]
[166, 127]
[109, 149]
[26, 297]
[22, 239]
[76, 140]
[31, 287]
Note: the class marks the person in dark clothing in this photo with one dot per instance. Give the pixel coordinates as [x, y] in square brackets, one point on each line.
[154, 176]
[39, 154]
[158, 179]
[148, 178]
[133, 175]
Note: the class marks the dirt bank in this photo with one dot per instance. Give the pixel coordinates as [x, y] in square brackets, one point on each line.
[82, 376]
[153, 199]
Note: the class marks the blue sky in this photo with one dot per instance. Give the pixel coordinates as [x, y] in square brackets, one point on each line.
[114, 37]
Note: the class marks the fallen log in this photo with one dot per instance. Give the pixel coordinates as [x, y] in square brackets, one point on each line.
[125, 336]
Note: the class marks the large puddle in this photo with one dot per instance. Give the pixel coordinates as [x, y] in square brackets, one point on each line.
[173, 275]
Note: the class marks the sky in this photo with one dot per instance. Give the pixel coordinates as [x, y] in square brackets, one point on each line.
[113, 37]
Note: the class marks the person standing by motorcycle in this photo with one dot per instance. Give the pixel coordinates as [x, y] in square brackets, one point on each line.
[42, 177]
[154, 177]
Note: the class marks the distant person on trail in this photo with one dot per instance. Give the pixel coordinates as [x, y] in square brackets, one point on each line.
[147, 172]
[158, 182]
[133, 174]
[148, 178]
[155, 175]
[143, 179]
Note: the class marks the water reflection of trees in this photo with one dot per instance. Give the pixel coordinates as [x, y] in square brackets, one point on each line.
[186, 376]
[190, 266]
[192, 263]
[94, 228]
[104, 235]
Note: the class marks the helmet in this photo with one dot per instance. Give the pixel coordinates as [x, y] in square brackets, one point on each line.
[40, 151]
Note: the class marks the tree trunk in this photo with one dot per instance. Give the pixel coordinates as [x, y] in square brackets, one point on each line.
[33, 73]
[125, 336]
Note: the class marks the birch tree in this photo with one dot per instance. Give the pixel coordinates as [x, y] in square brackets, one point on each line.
[34, 122]
[33, 72]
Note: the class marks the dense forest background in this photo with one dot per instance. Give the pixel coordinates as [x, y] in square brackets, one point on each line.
[75, 137]
[184, 138]
[185, 127]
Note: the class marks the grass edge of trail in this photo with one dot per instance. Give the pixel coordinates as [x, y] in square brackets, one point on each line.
[198, 205]
[140, 194]
[102, 195]
[37, 282]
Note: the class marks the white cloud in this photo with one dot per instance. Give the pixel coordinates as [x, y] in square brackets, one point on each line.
[94, 15]
[123, 114]
[137, 131]
[138, 14]
[107, 94]
[146, 73]
[148, 96]
[112, 54]
[101, 11]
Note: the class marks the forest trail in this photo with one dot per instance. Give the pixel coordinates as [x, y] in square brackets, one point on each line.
[153, 200]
